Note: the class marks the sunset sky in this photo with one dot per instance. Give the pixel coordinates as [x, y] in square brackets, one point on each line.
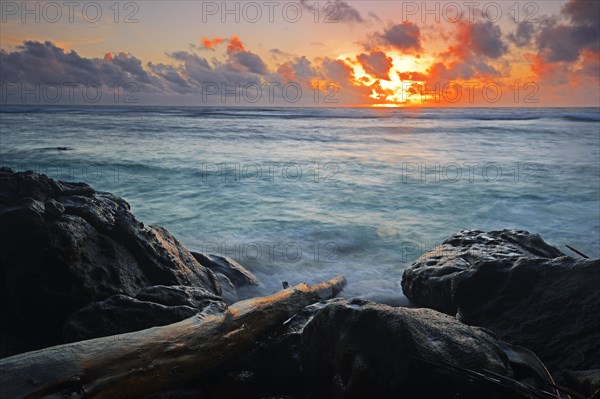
[303, 53]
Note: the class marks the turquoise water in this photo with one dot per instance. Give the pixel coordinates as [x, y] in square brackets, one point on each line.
[306, 194]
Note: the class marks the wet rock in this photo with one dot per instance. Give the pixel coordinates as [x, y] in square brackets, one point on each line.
[119, 314]
[587, 382]
[64, 245]
[177, 295]
[427, 282]
[236, 273]
[551, 306]
[228, 290]
[359, 349]
[524, 290]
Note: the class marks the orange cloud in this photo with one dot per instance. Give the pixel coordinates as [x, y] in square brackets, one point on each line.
[376, 64]
[210, 44]
[235, 44]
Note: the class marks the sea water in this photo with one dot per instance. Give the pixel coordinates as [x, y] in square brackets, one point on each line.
[305, 194]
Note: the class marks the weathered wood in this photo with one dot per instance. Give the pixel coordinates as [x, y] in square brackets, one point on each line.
[133, 364]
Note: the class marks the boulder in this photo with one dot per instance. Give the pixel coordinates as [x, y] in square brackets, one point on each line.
[587, 382]
[64, 245]
[524, 290]
[236, 273]
[151, 307]
[550, 306]
[359, 349]
[234, 278]
[177, 295]
[427, 282]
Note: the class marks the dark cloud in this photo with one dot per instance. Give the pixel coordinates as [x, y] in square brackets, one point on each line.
[172, 76]
[252, 62]
[565, 42]
[335, 11]
[485, 38]
[462, 69]
[303, 68]
[131, 65]
[404, 37]
[36, 62]
[187, 78]
[583, 12]
[376, 64]
[523, 35]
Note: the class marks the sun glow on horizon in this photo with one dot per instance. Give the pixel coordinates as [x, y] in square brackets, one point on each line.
[392, 92]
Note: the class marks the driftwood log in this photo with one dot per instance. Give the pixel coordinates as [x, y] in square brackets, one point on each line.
[137, 363]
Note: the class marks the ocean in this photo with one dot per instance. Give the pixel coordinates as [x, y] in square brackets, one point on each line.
[304, 194]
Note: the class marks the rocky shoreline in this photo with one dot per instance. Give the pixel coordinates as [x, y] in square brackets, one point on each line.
[495, 312]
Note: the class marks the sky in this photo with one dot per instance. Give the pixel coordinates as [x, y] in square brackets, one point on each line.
[301, 53]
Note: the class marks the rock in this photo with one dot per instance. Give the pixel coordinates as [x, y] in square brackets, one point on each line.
[524, 290]
[271, 368]
[359, 349]
[233, 277]
[120, 314]
[427, 282]
[236, 385]
[64, 245]
[228, 291]
[236, 273]
[587, 382]
[551, 306]
[177, 295]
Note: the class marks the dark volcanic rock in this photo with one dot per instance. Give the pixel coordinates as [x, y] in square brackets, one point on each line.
[177, 295]
[427, 282]
[153, 306]
[232, 276]
[236, 273]
[119, 314]
[586, 382]
[359, 349]
[551, 306]
[524, 290]
[64, 245]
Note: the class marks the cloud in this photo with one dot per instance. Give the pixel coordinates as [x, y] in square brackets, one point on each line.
[583, 12]
[277, 53]
[523, 35]
[412, 76]
[37, 62]
[376, 64]
[335, 11]
[252, 62]
[235, 44]
[483, 38]
[461, 70]
[212, 43]
[403, 37]
[565, 42]
[172, 76]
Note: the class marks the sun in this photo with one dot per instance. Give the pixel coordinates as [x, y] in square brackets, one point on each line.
[394, 92]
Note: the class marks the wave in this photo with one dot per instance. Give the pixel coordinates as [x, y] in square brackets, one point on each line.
[582, 118]
[247, 113]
